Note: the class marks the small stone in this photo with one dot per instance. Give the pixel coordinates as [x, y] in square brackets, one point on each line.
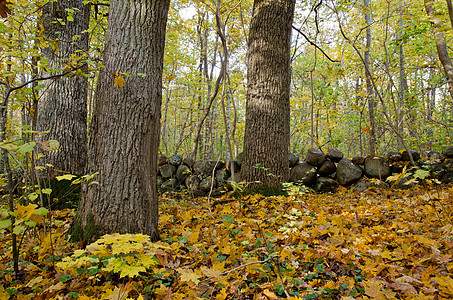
[334, 155]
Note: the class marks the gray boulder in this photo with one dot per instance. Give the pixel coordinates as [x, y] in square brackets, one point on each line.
[435, 156]
[334, 155]
[169, 185]
[315, 157]
[448, 165]
[303, 173]
[239, 158]
[188, 162]
[167, 171]
[175, 160]
[198, 168]
[235, 165]
[206, 183]
[192, 182]
[209, 166]
[237, 178]
[358, 160]
[325, 185]
[447, 178]
[182, 172]
[377, 167]
[162, 160]
[293, 159]
[362, 186]
[394, 156]
[221, 176]
[159, 180]
[405, 155]
[347, 172]
[327, 168]
[447, 151]
[398, 167]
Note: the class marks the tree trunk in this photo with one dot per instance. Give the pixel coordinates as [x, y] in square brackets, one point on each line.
[62, 110]
[126, 124]
[441, 44]
[267, 127]
[369, 86]
[403, 88]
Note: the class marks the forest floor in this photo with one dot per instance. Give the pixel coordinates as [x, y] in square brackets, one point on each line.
[380, 244]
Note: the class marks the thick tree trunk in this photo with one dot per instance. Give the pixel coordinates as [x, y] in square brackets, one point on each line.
[62, 110]
[126, 123]
[267, 128]
[441, 44]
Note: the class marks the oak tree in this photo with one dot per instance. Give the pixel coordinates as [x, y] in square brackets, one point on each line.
[124, 134]
[267, 127]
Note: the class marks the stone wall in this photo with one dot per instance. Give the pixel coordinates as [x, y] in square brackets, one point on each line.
[322, 171]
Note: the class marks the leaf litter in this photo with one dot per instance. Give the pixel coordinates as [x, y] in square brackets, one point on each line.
[381, 244]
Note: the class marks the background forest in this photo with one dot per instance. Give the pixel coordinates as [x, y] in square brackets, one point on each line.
[330, 101]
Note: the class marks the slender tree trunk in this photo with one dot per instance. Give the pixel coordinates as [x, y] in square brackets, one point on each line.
[402, 89]
[62, 110]
[369, 86]
[267, 125]
[125, 129]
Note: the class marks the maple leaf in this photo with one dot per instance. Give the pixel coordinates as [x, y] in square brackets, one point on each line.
[119, 80]
[373, 289]
[188, 275]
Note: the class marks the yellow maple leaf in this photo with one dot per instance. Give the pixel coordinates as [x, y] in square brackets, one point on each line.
[373, 289]
[25, 212]
[119, 80]
[188, 275]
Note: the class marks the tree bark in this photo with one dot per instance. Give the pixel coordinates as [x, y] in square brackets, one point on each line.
[369, 85]
[441, 44]
[267, 127]
[62, 109]
[403, 87]
[126, 124]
